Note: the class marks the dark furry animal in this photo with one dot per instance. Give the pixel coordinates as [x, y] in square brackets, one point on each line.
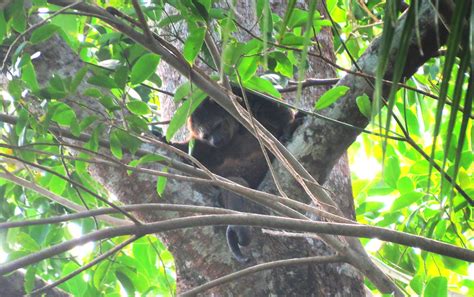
[226, 148]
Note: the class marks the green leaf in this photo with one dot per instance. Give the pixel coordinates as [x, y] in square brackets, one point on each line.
[121, 76]
[365, 105]
[170, 20]
[77, 285]
[405, 185]
[436, 287]
[370, 206]
[19, 20]
[248, 67]
[264, 16]
[248, 57]
[144, 68]
[78, 78]
[440, 229]
[392, 171]
[109, 103]
[102, 81]
[138, 107]
[417, 284]
[292, 40]
[28, 74]
[149, 158]
[3, 26]
[87, 121]
[283, 64]
[30, 279]
[161, 183]
[128, 141]
[57, 185]
[93, 143]
[182, 92]
[92, 92]
[217, 13]
[126, 283]
[193, 44]
[63, 114]
[115, 145]
[100, 274]
[75, 127]
[43, 33]
[22, 123]
[406, 200]
[15, 88]
[57, 83]
[136, 123]
[184, 111]
[27, 242]
[330, 96]
[263, 86]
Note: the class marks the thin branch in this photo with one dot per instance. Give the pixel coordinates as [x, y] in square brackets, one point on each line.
[146, 207]
[260, 267]
[143, 22]
[44, 168]
[97, 260]
[216, 57]
[367, 10]
[440, 171]
[258, 137]
[53, 197]
[255, 220]
[85, 137]
[309, 82]
[275, 203]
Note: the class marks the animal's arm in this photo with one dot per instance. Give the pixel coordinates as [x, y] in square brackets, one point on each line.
[237, 235]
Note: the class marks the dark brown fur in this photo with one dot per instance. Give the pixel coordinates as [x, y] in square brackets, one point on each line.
[226, 148]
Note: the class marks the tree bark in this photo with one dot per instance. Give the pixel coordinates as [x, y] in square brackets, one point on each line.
[13, 286]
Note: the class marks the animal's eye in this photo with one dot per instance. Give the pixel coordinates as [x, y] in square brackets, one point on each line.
[204, 136]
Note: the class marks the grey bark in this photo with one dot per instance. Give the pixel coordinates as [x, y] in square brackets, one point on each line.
[12, 285]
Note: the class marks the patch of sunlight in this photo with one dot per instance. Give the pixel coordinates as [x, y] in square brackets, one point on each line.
[373, 245]
[365, 167]
[83, 250]
[3, 256]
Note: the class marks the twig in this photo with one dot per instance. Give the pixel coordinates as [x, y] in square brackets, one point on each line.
[34, 27]
[146, 207]
[53, 197]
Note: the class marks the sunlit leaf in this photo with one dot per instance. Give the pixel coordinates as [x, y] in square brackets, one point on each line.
[144, 68]
[330, 96]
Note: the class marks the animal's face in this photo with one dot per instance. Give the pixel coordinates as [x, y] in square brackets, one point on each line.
[213, 125]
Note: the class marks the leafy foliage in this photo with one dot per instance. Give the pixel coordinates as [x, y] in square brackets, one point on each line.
[403, 188]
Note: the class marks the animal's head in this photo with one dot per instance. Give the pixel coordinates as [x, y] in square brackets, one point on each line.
[211, 124]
